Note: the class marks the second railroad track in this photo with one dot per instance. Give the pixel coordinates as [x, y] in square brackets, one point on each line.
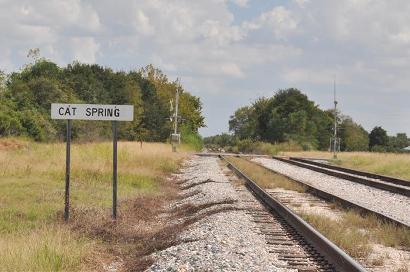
[390, 184]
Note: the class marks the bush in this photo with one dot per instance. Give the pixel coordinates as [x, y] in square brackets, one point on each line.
[36, 126]
[9, 125]
[264, 148]
[379, 148]
[192, 139]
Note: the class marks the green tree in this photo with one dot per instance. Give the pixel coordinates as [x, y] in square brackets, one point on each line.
[26, 96]
[243, 123]
[378, 137]
[353, 136]
[3, 78]
[399, 141]
[46, 91]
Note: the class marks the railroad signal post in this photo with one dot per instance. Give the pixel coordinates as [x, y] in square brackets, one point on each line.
[112, 113]
[175, 137]
[335, 141]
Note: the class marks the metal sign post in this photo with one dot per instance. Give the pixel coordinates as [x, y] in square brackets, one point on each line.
[67, 172]
[112, 113]
[114, 171]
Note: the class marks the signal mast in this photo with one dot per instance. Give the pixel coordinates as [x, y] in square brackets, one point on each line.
[175, 137]
[335, 139]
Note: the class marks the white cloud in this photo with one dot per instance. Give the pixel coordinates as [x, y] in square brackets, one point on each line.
[302, 3]
[84, 49]
[315, 76]
[231, 69]
[301, 42]
[142, 23]
[221, 34]
[280, 21]
[241, 3]
[401, 37]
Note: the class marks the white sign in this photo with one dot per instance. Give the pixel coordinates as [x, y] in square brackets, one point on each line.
[92, 112]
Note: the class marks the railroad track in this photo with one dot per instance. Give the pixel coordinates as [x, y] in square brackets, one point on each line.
[387, 179]
[390, 184]
[333, 198]
[291, 238]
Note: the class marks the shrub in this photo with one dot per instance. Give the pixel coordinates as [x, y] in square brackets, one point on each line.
[192, 139]
[379, 148]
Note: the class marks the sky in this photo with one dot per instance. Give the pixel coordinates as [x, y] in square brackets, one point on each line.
[230, 52]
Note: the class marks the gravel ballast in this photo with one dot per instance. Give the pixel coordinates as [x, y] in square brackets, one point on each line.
[224, 241]
[390, 204]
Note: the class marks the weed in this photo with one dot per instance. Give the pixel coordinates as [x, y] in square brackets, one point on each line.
[350, 239]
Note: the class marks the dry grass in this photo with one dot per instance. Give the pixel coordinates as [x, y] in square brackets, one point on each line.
[32, 235]
[353, 232]
[348, 237]
[384, 233]
[390, 164]
[263, 177]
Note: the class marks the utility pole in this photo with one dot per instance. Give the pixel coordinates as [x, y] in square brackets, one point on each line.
[335, 113]
[176, 111]
[175, 136]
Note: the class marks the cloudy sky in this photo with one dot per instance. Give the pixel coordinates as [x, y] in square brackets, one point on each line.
[229, 52]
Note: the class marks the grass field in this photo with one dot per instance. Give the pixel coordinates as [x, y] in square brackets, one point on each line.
[33, 236]
[390, 164]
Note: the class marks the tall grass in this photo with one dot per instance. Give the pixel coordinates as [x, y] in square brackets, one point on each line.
[391, 164]
[32, 237]
[52, 249]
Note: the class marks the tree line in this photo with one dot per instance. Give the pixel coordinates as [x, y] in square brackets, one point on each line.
[26, 96]
[289, 116]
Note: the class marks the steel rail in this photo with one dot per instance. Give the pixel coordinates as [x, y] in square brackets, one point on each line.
[393, 180]
[333, 254]
[379, 185]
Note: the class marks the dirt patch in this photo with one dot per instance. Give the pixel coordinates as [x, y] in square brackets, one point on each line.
[12, 144]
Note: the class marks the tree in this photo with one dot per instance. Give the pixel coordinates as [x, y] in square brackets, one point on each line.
[378, 137]
[26, 96]
[290, 116]
[243, 123]
[399, 141]
[353, 136]
[3, 78]
[46, 91]
[34, 53]
[190, 109]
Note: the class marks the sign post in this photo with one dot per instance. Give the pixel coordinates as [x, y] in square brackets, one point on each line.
[114, 169]
[67, 172]
[112, 113]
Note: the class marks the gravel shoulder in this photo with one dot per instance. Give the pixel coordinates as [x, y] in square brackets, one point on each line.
[226, 240]
[393, 205]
